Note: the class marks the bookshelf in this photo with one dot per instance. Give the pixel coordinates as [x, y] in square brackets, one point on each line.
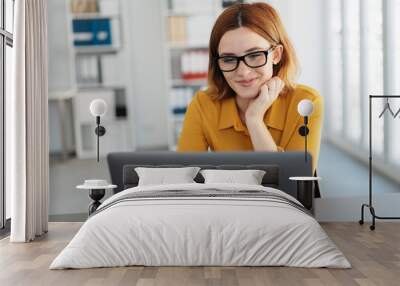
[94, 32]
[188, 26]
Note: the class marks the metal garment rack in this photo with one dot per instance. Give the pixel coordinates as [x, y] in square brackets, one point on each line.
[369, 205]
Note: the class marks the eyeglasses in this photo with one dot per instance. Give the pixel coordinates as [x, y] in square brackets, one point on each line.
[253, 60]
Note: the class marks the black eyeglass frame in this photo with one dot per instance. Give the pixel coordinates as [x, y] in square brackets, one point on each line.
[242, 58]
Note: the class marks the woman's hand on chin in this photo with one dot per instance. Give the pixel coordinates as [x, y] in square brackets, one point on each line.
[260, 104]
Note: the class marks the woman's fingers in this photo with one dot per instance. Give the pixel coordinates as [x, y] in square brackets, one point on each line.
[269, 91]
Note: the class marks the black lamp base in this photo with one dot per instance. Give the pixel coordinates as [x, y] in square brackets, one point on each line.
[305, 193]
[303, 130]
[100, 130]
[96, 195]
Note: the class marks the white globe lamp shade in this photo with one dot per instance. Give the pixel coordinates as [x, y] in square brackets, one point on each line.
[305, 107]
[98, 107]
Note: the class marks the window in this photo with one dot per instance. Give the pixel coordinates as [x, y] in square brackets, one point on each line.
[394, 71]
[6, 43]
[9, 16]
[351, 73]
[364, 47]
[374, 71]
[336, 66]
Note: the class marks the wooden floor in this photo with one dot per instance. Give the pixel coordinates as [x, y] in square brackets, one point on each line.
[374, 255]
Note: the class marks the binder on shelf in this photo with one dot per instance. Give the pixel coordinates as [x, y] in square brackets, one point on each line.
[180, 99]
[194, 65]
[87, 70]
[92, 32]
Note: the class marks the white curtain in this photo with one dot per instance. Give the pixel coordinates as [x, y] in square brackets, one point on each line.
[27, 123]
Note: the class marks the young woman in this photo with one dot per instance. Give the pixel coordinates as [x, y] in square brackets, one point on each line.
[251, 100]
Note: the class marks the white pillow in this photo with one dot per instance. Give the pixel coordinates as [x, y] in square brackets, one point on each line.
[162, 176]
[249, 177]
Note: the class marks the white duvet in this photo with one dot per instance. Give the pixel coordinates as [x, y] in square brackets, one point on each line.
[200, 231]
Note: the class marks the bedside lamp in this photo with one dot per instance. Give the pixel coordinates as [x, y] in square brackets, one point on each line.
[305, 190]
[305, 108]
[98, 108]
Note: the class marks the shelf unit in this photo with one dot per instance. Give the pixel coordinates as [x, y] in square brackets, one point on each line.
[188, 27]
[93, 35]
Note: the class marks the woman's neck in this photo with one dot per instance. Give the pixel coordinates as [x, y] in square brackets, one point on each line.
[242, 105]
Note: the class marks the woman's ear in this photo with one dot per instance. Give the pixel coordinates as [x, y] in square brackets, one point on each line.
[277, 54]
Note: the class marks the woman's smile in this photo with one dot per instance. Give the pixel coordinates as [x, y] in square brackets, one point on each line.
[247, 82]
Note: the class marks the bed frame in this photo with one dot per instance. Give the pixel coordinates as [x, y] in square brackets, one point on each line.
[279, 166]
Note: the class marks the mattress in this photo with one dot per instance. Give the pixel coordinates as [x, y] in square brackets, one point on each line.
[201, 225]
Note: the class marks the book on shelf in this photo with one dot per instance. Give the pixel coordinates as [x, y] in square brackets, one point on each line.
[81, 7]
[84, 6]
[176, 29]
[227, 3]
[190, 6]
[194, 31]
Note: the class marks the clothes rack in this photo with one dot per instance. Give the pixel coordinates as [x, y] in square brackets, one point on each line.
[370, 205]
[387, 106]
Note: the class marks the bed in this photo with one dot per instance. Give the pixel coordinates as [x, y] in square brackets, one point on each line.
[202, 223]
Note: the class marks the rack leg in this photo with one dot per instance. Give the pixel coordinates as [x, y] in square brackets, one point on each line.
[372, 210]
[361, 221]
